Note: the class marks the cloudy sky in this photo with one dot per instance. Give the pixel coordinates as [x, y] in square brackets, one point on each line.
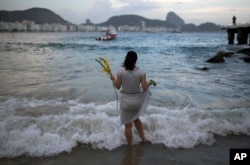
[192, 11]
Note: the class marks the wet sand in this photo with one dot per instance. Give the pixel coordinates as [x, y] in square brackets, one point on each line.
[142, 154]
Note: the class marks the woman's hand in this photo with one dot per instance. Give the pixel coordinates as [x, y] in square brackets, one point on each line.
[117, 82]
[152, 82]
[112, 77]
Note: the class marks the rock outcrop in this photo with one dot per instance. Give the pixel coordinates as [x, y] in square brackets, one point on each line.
[243, 54]
[219, 57]
[174, 19]
[245, 51]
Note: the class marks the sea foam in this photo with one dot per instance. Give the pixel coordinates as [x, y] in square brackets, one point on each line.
[48, 127]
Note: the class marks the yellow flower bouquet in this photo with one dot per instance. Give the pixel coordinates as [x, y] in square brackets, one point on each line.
[105, 65]
[104, 62]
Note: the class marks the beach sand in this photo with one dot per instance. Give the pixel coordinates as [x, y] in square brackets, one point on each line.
[141, 154]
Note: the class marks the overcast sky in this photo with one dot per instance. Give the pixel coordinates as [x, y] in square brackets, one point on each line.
[191, 11]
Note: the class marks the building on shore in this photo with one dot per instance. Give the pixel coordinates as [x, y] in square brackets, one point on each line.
[31, 26]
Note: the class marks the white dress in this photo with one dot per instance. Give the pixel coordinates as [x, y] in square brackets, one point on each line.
[134, 99]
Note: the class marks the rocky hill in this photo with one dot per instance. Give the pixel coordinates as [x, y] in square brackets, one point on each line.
[209, 26]
[134, 20]
[204, 27]
[38, 15]
[174, 19]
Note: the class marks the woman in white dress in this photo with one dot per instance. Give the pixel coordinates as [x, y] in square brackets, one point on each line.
[134, 95]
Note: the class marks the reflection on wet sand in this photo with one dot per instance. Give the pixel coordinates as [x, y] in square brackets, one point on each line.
[133, 155]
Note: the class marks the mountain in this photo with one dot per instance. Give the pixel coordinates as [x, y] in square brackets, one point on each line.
[38, 15]
[189, 28]
[174, 19]
[209, 26]
[204, 27]
[134, 20]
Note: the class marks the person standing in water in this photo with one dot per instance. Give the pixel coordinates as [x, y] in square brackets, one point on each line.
[134, 100]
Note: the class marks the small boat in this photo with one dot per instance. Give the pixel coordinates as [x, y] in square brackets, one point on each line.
[110, 35]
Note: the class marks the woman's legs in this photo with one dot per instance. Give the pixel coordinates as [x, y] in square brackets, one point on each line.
[139, 127]
[128, 133]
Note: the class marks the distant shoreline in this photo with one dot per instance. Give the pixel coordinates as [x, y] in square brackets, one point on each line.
[40, 19]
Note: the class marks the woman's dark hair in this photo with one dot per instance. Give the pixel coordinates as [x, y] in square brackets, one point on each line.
[130, 60]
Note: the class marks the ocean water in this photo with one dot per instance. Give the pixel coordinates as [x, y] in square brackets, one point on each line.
[54, 96]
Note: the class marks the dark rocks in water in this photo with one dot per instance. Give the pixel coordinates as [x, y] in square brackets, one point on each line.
[245, 51]
[203, 68]
[228, 54]
[247, 59]
[219, 57]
